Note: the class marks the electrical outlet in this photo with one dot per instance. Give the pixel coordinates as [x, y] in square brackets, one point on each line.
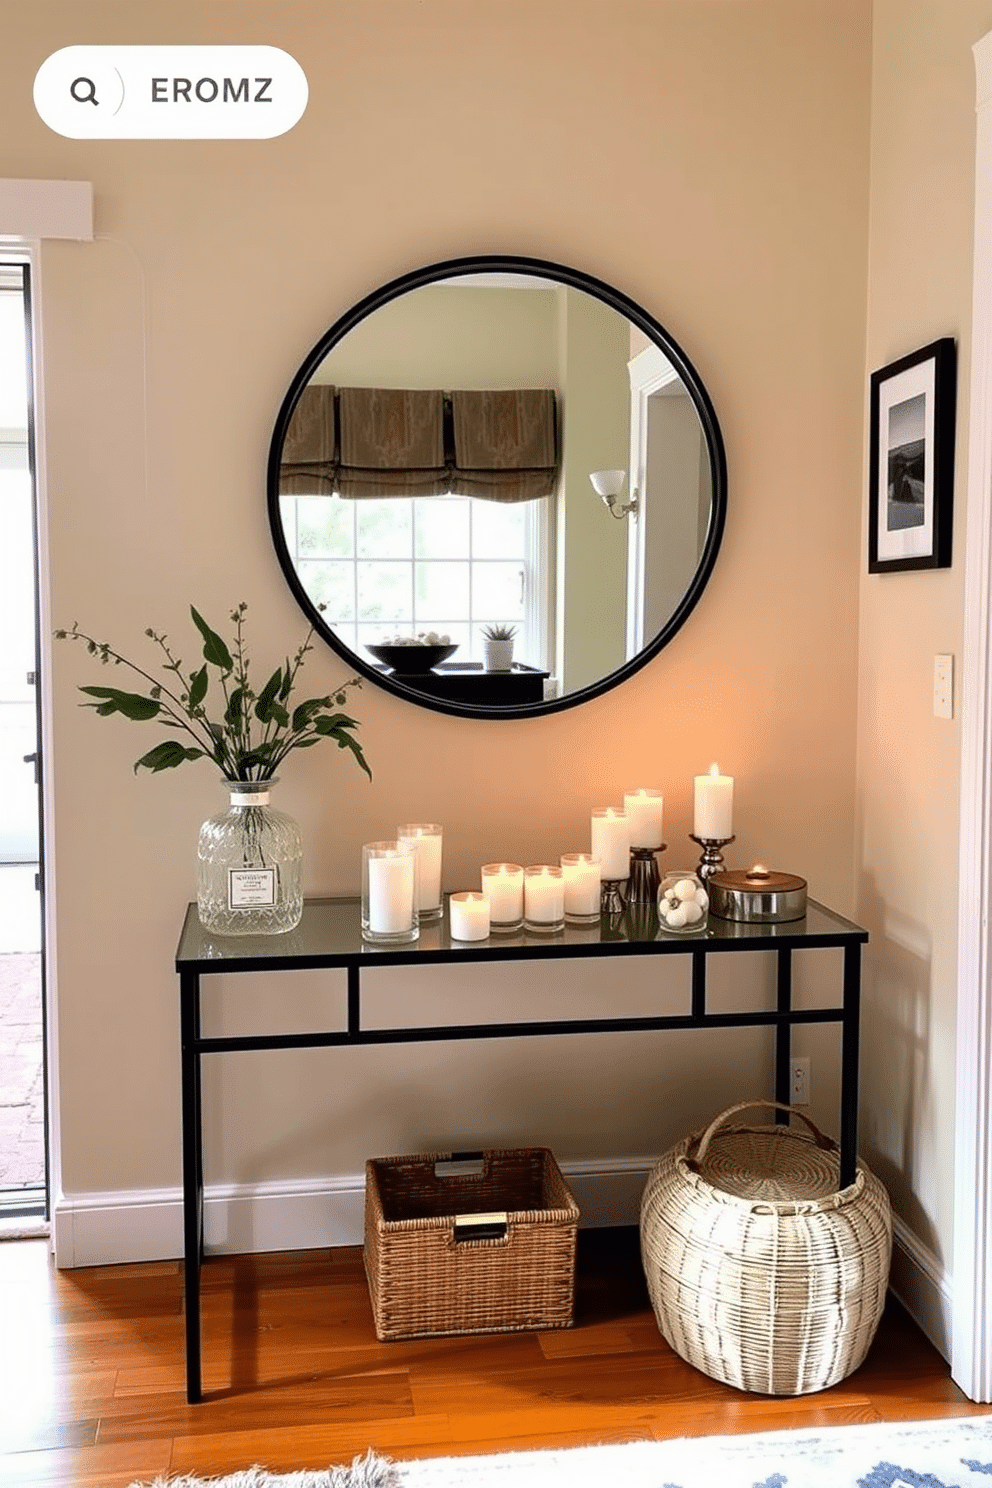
[800, 1082]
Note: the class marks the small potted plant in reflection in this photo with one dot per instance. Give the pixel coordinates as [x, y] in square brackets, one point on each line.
[498, 647]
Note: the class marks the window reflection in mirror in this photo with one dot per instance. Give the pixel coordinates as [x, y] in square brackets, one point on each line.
[451, 564]
[586, 594]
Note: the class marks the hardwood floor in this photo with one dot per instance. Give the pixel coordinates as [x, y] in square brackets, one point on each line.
[93, 1392]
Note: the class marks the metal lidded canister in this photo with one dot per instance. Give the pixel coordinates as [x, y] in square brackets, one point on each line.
[757, 895]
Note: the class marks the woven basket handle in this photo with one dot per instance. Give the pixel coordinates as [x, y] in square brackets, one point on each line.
[827, 1143]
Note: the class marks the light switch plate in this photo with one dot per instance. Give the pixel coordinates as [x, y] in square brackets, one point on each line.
[943, 687]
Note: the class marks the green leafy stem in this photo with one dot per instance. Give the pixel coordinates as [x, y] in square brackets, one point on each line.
[253, 733]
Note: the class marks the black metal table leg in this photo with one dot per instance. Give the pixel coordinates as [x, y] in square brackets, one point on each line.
[850, 1026]
[354, 1001]
[699, 984]
[189, 1016]
[783, 1032]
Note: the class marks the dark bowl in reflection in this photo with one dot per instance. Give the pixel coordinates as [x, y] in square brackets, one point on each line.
[411, 661]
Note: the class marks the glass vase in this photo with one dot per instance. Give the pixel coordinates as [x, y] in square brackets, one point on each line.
[249, 879]
[683, 903]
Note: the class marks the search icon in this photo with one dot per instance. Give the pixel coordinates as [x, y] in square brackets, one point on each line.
[88, 93]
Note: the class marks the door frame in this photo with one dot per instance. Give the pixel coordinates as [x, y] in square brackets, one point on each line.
[971, 1305]
[17, 1206]
[649, 372]
[32, 211]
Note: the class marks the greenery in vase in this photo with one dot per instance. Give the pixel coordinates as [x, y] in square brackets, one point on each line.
[499, 632]
[250, 733]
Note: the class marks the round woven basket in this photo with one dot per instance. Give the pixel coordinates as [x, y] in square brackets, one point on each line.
[761, 1273]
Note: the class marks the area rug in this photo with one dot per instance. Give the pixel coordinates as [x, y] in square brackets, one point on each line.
[931, 1454]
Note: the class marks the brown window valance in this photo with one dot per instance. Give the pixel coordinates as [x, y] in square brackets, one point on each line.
[309, 452]
[375, 442]
[392, 442]
[505, 444]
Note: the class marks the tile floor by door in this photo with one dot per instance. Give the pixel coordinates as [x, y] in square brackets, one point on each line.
[22, 1116]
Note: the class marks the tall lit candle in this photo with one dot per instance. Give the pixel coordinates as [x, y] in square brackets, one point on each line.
[389, 891]
[645, 812]
[426, 838]
[714, 805]
[611, 841]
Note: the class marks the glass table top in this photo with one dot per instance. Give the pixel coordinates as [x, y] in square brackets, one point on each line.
[330, 934]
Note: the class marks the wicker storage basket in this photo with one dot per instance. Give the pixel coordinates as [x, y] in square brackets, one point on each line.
[478, 1242]
[761, 1273]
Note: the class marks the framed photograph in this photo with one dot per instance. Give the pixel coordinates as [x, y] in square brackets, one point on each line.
[911, 461]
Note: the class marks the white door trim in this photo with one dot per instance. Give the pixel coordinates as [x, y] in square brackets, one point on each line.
[31, 212]
[971, 1343]
[649, 371]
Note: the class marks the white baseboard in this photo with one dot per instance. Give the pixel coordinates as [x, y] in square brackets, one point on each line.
[922, 1285]
[101, 1229]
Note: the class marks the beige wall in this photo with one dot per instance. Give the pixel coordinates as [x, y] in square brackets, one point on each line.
[452, 336]
[710, 159]
[922, 197]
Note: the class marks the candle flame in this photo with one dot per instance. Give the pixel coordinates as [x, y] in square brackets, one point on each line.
[714, 768]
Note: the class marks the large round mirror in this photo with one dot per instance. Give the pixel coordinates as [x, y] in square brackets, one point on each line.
[497, 487]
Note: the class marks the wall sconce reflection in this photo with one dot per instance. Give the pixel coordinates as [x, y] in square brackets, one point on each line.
[608, 484]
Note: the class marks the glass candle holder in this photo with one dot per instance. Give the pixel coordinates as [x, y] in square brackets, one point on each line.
[503, 886]
[683, 903]
[544, 898]
[427, 838]
[582, 885]
[468, 916]
[389, 893]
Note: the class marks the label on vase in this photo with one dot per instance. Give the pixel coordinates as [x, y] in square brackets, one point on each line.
[251, 888]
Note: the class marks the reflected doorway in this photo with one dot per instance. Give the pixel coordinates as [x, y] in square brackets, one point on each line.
[23, 1145]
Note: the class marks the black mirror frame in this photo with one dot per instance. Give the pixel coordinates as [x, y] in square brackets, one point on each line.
[575, 279]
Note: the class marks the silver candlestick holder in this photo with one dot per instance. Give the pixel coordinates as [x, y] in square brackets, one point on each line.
[645, 878]
[613, 896]
[712, 859]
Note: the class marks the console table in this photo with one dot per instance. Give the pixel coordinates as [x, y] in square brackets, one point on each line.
[329, 936]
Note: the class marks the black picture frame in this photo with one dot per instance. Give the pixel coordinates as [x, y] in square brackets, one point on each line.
[911, 460]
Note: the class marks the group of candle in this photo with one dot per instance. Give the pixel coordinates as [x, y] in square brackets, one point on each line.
[401, 879]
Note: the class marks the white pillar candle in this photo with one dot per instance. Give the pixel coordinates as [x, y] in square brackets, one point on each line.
[582, 884]
[645, 812]
[611, 841]
[427, 838]
[468, 914]
[544, 895]
[714, 805]
[503, 886]
[391, 884]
